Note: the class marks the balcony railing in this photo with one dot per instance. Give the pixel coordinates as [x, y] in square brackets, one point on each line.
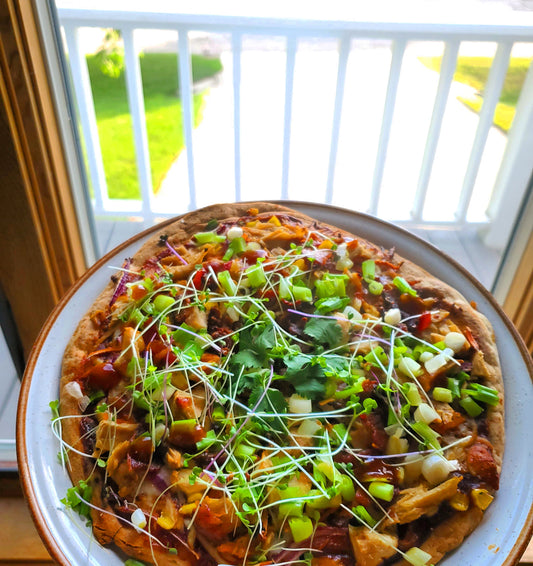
[504, 189]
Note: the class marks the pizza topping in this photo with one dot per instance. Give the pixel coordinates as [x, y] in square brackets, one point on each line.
[281, 386]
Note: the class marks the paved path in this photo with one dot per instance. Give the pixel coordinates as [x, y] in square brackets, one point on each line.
[262, 111]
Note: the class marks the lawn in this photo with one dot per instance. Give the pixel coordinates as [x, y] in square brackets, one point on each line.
[164, 122]
[474, 72]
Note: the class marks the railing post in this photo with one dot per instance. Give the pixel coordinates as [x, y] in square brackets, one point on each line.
[289, 83]
[136, 102]
[490, 100]
[447, 70]
[398, 50]
[236, 47]
[515, 170]
[84, 96]
[344, 52]
[185, 76]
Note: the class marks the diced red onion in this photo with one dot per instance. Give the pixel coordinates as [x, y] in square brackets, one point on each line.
[122, 283]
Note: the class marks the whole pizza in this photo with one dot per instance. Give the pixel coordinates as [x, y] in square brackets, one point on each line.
[255, 387]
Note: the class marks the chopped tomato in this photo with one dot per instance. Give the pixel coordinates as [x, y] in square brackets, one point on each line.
[103, 376]
[197, 279]
[424, 321]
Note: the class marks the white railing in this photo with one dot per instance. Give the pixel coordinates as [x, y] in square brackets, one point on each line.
[508, 186]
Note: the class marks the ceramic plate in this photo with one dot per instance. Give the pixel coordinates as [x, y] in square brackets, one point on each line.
[499, 540]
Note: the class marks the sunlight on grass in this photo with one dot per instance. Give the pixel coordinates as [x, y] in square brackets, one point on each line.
[164, 122]
[474, 72]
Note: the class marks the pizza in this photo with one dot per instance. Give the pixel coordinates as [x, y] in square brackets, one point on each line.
[257, 387]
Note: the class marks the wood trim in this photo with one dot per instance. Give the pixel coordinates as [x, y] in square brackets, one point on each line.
[519, 300]
[37, 215]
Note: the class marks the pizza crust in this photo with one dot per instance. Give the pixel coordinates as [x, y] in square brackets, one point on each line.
[108, 529]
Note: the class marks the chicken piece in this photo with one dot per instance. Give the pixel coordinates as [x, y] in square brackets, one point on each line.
[479, 367]
[417, 501]
[450, 419]
[180, 480]
[174, 459]
[216, 518]
[183, 405]
[196, 318]
[111, 433]
[128, 462]
[371, 548]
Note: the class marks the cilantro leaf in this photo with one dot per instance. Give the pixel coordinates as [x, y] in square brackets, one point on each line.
[248, 359]
[324, 331]
[254, 347]
[73, 501]
[272, 402]
[306, 376]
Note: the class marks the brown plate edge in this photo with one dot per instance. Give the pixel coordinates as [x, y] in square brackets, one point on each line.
[525, 534]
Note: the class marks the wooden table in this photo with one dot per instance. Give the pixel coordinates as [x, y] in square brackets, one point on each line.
[20, 544]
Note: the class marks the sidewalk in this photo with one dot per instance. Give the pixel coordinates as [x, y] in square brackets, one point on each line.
[262, 112]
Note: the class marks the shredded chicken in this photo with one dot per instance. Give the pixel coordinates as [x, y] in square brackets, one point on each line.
[110, 433]
[420, 500]
[370, 547]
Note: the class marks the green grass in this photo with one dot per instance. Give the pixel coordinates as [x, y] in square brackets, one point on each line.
[474, 72]
[164, 123]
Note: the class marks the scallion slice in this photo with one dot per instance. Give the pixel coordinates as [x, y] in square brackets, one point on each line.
[471, 407]
[369, 269]
[381, 490]
[483, 393]
[227, 283]
[209, 238]
[256, 275]
[401, 284]
[375, 287]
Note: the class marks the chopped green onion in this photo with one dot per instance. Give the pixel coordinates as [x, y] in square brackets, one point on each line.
[442, 394]
[376, 356]
[256, 275]
[346, 488]
[483, 393]
[322, 502]
[163, 302]
[244, 451]
[404, 287]
[369, 269]
[412, 394]
[365, 517]
[427, 433]
[284, 289]
[227, 283]
[331, 286]
[237, 246]
[417, 557]
[302, 293]
[209, 238]
[375, 287]
[292, 508]
[455, 387]
[381, 490]
[301, 528]
[218, 413]
[471, 407]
